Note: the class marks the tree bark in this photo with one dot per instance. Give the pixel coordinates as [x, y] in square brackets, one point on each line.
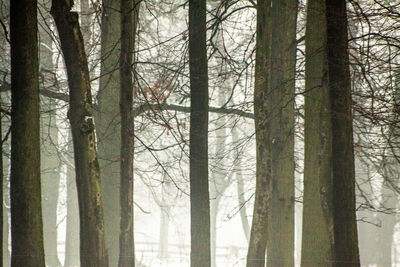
[345, 224]
[129, 14]
[199, 192]
[259, 226]
[108, 124]
[280, 244]
[318, 236]
[26, 211]
[80, 114]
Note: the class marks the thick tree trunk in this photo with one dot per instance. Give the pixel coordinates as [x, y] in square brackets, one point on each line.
[199, 194]
[72, 229]
[80, 114]
[129, 15]
[26, 211]
[345, 224]
[318, 236]
[258, 234]
[280, 244]
[108, 124]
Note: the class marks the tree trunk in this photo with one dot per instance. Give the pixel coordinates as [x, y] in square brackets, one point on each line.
[258, 234]
[26, 210]
[108, 124]
[164, 229]
[345, 224]
[384, 233]
[129, 15]
[80, 114]
[318, 236]
[240, 187]
[72, 229]
[199, 194]
[280, 244]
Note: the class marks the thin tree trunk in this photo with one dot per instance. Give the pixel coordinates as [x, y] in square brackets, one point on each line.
[72, 229]
[258, 234]
[280, 244]
[199, 192]
[164, 229]
[80, 114]
[129, 12]
[318, 236]
[384, 234]
[240, 188]
[345, 224]
[26, 210]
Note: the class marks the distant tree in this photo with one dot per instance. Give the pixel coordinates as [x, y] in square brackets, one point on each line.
[199, 194]
[80, 114]
[26, 210]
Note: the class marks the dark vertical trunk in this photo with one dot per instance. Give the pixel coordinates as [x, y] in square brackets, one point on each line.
[280, 244]
[26, 210]
[72, 228]
[258, 234]
[199, 192]
[318, 238]
[345, 225]
[129, 10]
[80, 114]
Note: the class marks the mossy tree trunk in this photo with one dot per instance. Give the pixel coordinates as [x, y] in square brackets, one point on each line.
[26, 211]
[259, 233]
[80, 114]
[199, 192]
[345, 224]
[318, 236]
